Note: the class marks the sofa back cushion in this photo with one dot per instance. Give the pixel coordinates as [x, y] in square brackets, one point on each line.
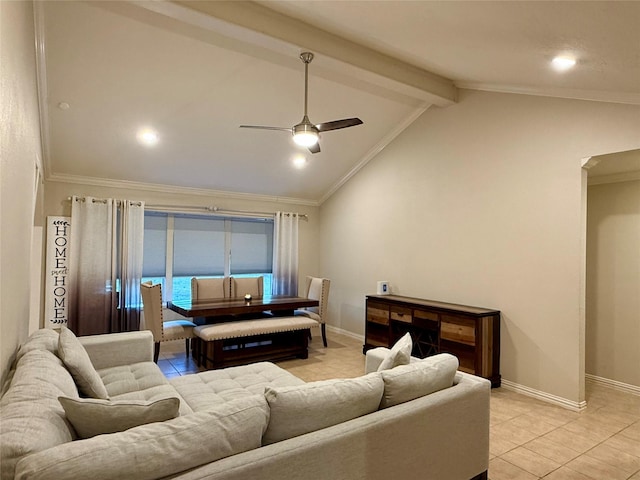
[43, 339]
[158, 449]
[408, 382]
[31, 418]
[305, 408]
[77, 361]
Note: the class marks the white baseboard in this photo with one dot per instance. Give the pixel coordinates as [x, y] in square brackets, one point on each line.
[623, 387]
[544, 396]
[355, 336]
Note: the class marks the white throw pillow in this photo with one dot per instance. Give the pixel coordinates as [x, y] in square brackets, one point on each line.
[91, 417]
[418, 379]
[400, 353]
[305, 408]
[156, 450]
[77, 361]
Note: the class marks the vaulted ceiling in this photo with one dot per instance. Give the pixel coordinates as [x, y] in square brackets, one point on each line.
[194, 71]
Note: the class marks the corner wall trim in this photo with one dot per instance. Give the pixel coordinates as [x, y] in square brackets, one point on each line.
[545, 397]
[616, 385]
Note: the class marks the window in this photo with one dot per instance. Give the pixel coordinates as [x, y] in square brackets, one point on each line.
[178, 247]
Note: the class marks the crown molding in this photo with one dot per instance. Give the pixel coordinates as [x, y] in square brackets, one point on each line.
[613, 178]
[154, 187]
[377, 148]
[572, 93]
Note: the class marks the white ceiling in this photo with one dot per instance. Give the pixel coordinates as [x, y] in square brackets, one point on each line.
[195, 71]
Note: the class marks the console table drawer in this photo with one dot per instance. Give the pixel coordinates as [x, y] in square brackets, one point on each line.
[378, 314]
[400, 314]
[425, 315]
[459, 330]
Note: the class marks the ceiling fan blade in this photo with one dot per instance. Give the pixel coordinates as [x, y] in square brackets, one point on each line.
[314, 148]
[338, 124]
[260, 127]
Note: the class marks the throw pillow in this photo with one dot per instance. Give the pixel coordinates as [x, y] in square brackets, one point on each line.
[301, 409]
[77, 361]
[418, 379]
[91, 417]
[156, 450]
[400, 353]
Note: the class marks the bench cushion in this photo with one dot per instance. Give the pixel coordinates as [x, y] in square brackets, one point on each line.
[247, 328]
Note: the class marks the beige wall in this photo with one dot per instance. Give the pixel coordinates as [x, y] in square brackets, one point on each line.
[613, 282]
[480, 204]
[19, 154]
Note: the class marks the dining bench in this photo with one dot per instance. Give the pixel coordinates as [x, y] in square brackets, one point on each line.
[238, 342]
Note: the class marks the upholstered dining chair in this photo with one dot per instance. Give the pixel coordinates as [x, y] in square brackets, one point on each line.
[253, 286]
[317, 289]
[153, 320]
[210, 288]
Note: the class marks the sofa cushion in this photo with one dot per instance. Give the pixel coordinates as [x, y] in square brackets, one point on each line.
[77, 361]
[91, 416]
[305, 408]
[407, 382]
[43, 339]
[399, 354]
[31, 418]
[204, 389]
[142, 381]
[155, 450]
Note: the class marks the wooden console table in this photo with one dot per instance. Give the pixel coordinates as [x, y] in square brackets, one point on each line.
[470, 333]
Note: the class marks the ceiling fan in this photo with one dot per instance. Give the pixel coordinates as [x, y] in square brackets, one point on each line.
[305, 133]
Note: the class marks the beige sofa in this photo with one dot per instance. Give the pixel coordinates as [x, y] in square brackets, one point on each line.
[249, 422]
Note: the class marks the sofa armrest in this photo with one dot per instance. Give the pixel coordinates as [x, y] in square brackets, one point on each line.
[374, 358]
[116, 349]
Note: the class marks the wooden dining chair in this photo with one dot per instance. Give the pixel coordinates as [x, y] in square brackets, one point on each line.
[317, 289]
[153, 320]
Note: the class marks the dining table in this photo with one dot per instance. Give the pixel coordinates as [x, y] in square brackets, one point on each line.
[219, 310]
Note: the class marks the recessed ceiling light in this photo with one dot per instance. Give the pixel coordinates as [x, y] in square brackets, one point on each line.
[299, 161]
[148, 137]
[562, 63]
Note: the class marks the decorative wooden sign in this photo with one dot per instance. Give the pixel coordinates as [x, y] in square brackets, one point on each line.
[57, 283]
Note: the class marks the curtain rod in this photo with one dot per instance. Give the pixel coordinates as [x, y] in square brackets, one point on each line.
[104, 200]
[213, 210]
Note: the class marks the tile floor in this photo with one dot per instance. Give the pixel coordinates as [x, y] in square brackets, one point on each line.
[530, 439]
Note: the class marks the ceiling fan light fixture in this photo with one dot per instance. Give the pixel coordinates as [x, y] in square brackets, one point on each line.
[305, 135]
